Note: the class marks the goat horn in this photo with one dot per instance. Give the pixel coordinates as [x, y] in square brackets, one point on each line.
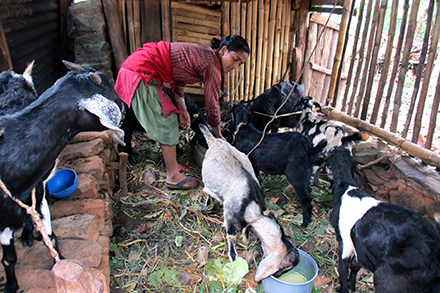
[28, 69]
[95, 78]
[73, 66]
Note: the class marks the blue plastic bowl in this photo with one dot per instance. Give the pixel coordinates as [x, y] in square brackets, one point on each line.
[63, 183]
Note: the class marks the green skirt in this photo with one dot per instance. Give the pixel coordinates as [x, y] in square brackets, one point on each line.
[148, 110]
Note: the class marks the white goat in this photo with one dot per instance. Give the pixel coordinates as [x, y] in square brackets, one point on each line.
[229, 178]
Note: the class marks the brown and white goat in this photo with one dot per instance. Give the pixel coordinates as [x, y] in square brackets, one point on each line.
[229, 178]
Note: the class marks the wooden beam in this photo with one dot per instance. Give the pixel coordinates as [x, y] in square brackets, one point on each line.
[5, 57]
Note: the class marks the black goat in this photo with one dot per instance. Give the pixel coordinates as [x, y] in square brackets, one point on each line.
[401, 248]
[266, 104]
[288, 153]
[130, 124]
[32, 139]
[229, 178]
[16, 91]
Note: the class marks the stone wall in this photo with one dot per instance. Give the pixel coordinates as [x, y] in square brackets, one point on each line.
[403, 181]
[82, 221]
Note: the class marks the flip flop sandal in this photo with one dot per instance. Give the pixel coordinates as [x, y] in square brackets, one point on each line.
[183, 169]
[180, 185]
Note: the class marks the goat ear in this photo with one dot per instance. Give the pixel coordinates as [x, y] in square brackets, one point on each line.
[358, 177]
[268, 266]
[73, 66]
[95, 78]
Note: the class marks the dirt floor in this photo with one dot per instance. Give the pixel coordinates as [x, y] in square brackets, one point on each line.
[174, 241]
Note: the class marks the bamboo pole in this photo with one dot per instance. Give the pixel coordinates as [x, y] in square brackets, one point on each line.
[226, 32]
[270, 50]
[404, 64]
[372, 70]
[263, 84]
[258, 73]
[396, 63]
[351, 104]
[309, 57]
[287, 44]
[233, 73]
[253, 49]
[242, 67]
[433, 117]
[367, 60]
[353, 54]
[247, 66]
[413, 149]
[386, 63]
[420, 68]
[277, 43]
[428, 71]
[341, 37]
[166, 20]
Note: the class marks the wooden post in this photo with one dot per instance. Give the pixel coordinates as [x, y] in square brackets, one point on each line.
[166, 20]
[234, 30]
[386, 63]
[248, 38]
[300, 28]
[404, 64]
[243, 72]
[433, 117]
[372, 70]
[337, 62]
[258, 73]
[277, 43]
[287, 41]
[5, 57]
[309, 57]
[413, 149]
[263, 84]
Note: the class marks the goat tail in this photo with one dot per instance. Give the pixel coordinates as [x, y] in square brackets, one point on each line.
[355, 137]
[207, 134]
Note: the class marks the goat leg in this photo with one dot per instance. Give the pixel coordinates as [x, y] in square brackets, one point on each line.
[354, 269]
[8, 261]
[231, 238]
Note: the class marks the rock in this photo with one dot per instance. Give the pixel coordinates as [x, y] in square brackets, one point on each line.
[74, 276]
[82, 150]
[84, 227]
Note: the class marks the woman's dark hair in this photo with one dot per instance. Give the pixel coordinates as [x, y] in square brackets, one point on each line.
[233, 43]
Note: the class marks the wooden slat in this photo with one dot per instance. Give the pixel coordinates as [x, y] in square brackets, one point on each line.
[270, 45]
[263, 85]
[199, 28]
[195, 14]
[247, 66]
[242, 67]
[196, 8]
[326, 2]
[309, 57]
[253, 49]
[137, 23]
[322, 20]
[166, 20]
[186, 39]
[201, 22]
[233, 73]
[277, 44]
[258, 74]
[226, 32]
[286, 39]
[190, 34]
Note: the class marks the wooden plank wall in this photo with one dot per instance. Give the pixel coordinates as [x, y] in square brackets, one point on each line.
[319, 58]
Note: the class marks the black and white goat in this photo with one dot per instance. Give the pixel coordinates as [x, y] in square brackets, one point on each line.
[266, 104]
[401, 248]
[130, 124]
[319, 129]
[229, 178]
[288, 153]
[32, 139]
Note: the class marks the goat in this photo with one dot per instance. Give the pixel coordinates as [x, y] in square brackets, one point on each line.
[16, 91]
[130, 124]
[266, 104]
[229, 178]
[32, 139]
[288, 153]
[319, 129]
[401, 248]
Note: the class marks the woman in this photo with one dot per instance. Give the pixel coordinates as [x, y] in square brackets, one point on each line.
[140, 83]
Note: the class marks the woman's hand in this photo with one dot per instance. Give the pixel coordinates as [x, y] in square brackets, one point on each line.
[218, 132]
[184, 119]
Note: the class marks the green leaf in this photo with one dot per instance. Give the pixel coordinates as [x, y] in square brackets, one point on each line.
[233, 272]
[114, 248]
[178, 240]
[116, 263]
